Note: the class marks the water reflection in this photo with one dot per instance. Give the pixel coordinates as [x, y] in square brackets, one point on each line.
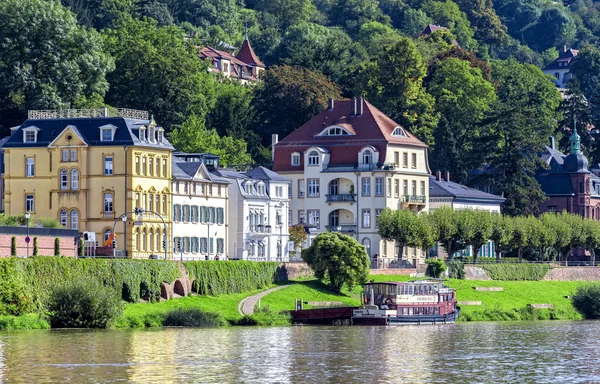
[540, 352]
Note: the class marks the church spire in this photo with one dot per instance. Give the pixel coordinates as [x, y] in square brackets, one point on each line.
[575, 139]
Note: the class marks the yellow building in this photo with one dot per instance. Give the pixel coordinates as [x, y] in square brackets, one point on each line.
[88, 170]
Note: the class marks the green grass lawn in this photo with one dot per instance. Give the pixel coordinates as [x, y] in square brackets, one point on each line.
[307, 291]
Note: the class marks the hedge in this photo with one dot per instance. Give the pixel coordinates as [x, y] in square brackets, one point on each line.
[516, 271]
[26, 283]
[219, 278]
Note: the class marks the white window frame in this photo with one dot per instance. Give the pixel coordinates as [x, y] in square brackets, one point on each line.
[313, 158]
[107, 129]
[295, 159]
[63, 218]
[379, 186]
[64, 155]
[29, 131]
[301, 189]
[30, 167]
[314, 217]
[399, 131]
[108, 165]
[108, 202]
[313, 188]
[367, 157]
[74, 219]
[29, 202]
[64, 179]
[366, 218]
[366, 186]
[74, 178]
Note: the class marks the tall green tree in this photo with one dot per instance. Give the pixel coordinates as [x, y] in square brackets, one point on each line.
[502, 228]
[100, 14]
[351, 14]
[463, 97]
[483, 230]
[401, 226]
[393, 82]
[338, 260]
[523, 233]
[47, 60]
[518, 126]
[287, 12]
[448, 14]
[446, 223]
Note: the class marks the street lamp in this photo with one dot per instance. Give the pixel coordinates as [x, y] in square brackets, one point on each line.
[27, 239]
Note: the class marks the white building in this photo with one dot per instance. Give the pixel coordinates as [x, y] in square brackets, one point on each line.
[258, 215]
[349, 163]
[560, 68]
[200, 216]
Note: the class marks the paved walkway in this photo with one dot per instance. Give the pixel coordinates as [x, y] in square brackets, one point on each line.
[246, 306]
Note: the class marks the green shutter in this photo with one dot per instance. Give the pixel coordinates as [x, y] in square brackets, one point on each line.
[212, 248]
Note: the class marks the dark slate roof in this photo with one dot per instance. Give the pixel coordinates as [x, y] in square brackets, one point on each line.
[186, 171]
[230, 173]
[3, 141]
[88, 128]
[555, 184]
[263, 173]
[567, 57]
[443, 188]
[552, 153]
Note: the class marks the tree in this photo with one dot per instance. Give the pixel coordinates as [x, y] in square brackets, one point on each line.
[47, 60]
[449, 15]
[413, 22]
[156, 70]
[287, 12]
[515, 131]
[522, 233]
[351, 14]
[483, 230]
[463, 97]
[445, 221]
[193, 136]
[546, 234]
[591, 231]
[289, 97]
[393, 82]
[401, 226]
[298, 235]
[575, 110]
[501, 234]
[485, 22]
[337, 259]
[100, 14]
[553, 28]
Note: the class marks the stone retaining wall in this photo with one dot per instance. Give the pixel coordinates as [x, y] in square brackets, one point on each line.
[574, 274]
[475, 273]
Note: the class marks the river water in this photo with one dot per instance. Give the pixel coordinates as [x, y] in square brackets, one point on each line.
[533, 352]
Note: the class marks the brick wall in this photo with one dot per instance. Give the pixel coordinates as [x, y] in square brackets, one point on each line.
[45, 241]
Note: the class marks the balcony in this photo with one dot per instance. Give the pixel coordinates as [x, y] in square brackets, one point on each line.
[342, 228]
[108, 215]
[343, 197]
[414, 199]
[259, 230]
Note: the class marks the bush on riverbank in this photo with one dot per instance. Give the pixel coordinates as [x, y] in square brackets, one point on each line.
[28, 321]
[265, 316]
[219, 278]
[83, 304]
[587, 300]
[517, 314]
[516, 272]
[193, 317]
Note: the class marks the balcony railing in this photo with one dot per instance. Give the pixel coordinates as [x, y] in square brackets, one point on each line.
[344, 228]
[260, 229]
[343, 197]
[87, 113]
[108, 215]
[414, 199]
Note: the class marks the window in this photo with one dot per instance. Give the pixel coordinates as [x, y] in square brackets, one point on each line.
[366, 218]
[552, 208]
[367, 157]
[313, 187]
[289, 218]
[108, 165]
[366, 186]
[151, 203]
[73, 153]
[151, 166]
[30, 167]
[377, 215]
[75, 219]
[301, 191]
[64, 179]
[158, 166]
[557, 75]
[398, 131]
[74, 179]
[379, 186]
[108, 202]
[313, 158]
[314, 217]
[64, 155]
[295, 159]
[279, 191]
[220, 245]
[144, 168]
[414, 187]
[106, 134]
[63, 218]
[29, 203]
[301, 217]
[413, 163]
[422, 188]
[397, 159]
[137, 165]
[106, 235]
[396, 187]
[142, 134]
[389, 187]
[30, 136]
[164, 167]
[151, 136]
[334, 131]
[405, 187]
[144, 239]
[404, 159]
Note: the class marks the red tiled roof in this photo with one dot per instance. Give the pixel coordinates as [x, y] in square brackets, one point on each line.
[246, 54]
[372, 128]
[215, 54]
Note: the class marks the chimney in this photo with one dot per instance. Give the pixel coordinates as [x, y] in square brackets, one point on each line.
[552, 146]
[438, 175]
[104, 112]
[447, 176]
[565, 48]
[360, 106]
[331, 102]
[354, 106]
[274, 141]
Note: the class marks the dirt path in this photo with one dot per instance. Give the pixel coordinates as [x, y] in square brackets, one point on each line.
[246, 306]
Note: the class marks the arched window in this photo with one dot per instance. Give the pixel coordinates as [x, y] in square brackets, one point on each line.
[144, 239]
[366, 242]
[64, 179]
[399, 131]
[367, 157]
[158, 240]
[313, 158]
[107, 233]
[74, 179]
[334, 131]
[151, 246]
[137, 239]
[248, 188]
[74, 219]
[63, 218]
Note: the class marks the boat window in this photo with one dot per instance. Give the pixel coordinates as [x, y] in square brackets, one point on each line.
[411, 289]
[410, 311]
[441, 298]
[435, 288]
[392, 290]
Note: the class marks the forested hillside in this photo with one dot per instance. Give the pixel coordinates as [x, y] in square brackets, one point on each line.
[473, 92]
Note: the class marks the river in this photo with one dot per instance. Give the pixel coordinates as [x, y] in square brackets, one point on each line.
[532, 352]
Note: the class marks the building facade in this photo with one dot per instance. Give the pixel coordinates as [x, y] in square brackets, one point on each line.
[561, 67]
[88, 171]
[200, 208]
[258, 215]
[349, 163]
[244, 66]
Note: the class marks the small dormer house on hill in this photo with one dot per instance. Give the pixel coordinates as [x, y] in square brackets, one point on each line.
[349, 163]
[561, 67]
[245, 66]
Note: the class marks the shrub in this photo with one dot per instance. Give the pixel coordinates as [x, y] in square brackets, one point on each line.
[532, 272]
[35, 246]
[83, 304]
[57, 246]
[13, 246]
[456, 270]
[193, 317]
[586, 300]
[435, 267]
[224, 277]
[46, 222]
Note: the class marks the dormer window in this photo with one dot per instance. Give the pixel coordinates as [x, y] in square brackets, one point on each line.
[367, 157]
[399, 131]
[107, 133]
[313, 158]
[295, 159]
[151, 136]
[30, 134]
[248, 188]
[334, 131]
[142, 133]
[161, 135]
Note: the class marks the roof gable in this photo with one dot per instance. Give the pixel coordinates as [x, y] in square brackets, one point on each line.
[247, 55]
[70, 136]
